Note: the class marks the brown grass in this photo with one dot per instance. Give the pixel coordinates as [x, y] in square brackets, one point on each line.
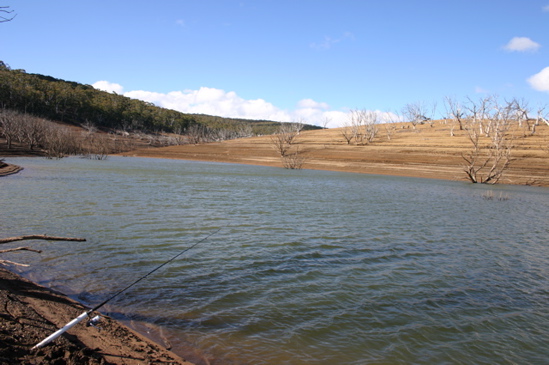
[427, 152]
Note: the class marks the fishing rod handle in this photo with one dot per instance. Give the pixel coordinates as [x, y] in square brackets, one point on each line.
[59, 332]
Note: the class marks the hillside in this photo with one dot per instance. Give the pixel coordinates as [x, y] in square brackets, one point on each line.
[427, 152]
[79, 104]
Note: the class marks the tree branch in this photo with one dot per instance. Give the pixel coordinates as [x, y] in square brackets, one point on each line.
[3, 262]
[4, 9]
[40, 237]
[20, 249]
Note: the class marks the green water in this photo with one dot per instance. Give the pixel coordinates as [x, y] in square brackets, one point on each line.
[309, 267]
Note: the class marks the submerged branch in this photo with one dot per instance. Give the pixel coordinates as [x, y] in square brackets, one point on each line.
[3, 262]
[20, 249]
[40, 237]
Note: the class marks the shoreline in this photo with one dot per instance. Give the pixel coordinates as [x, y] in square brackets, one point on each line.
[9, 169]
[426, 151]
[517, 177]
[30, 312]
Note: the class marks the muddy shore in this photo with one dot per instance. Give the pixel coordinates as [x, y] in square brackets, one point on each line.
[9, 169]
[29, 313]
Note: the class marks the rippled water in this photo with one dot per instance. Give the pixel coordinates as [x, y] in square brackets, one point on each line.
[309, 267]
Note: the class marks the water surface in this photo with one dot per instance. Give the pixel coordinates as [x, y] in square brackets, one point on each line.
[308, 267]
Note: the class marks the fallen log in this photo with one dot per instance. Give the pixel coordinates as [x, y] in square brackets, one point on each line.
[40, 237]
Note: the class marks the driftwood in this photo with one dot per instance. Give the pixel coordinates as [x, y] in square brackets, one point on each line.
[3, 262]
[31, 237]
[39, 237]
[20, 249]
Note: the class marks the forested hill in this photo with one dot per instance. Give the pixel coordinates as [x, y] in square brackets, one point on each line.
[78, 104]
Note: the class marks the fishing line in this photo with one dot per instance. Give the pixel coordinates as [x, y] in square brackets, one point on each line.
[152, 271]
[94, 320]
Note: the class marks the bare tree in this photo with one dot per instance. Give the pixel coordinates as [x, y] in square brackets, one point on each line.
[89, 127]
[244, 130]
[6, 18]
[298, 126]
[177, 137]
[455, 113]
[418, 113]
[97, 146]
[22, 128]
[391, 119]
[540, 117]
[197, 133]
[390, 129]
[294, 161]
[522, 111]
[284, 138]
[479, 113]
[370, 122]
[362, 126]
[31, 130]
[9, 126]
[489, 131]
[59, 142]
[349, 131]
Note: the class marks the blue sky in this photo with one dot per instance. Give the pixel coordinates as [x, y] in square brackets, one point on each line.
[287, 60]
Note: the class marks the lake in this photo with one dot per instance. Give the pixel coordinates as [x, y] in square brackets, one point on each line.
[302, 267]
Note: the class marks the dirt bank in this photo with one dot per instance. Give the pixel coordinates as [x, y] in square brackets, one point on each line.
[431, 150]
[428, 151]
[8, 169]
[29, 313]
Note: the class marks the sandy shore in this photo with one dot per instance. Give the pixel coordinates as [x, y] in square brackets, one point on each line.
[30, 312]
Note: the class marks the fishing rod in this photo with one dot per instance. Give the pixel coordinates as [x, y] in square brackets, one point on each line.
[94, 320]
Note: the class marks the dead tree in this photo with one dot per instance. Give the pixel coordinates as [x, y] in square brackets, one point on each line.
[418, 113]
[361, 127]
[285, 137]
[540, 117]
[489, 131]
[349, 131]
[5, 10]
[455, 113]
[198, 133]
[370, 122]
[294, 161]
[9, 126]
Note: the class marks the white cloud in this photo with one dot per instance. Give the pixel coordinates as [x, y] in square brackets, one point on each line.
[540, 81]
[108, 86]
[328, 42]
[546, 8]
[480, 90]
[521, 44]
[219, 102]
[212, 101]
[310, 103]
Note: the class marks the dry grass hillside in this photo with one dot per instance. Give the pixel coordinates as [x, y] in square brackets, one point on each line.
[428, 151]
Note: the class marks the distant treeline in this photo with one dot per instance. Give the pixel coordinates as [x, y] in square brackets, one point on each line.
[78, 104]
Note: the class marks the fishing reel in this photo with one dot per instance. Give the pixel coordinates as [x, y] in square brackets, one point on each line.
[93, 322]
